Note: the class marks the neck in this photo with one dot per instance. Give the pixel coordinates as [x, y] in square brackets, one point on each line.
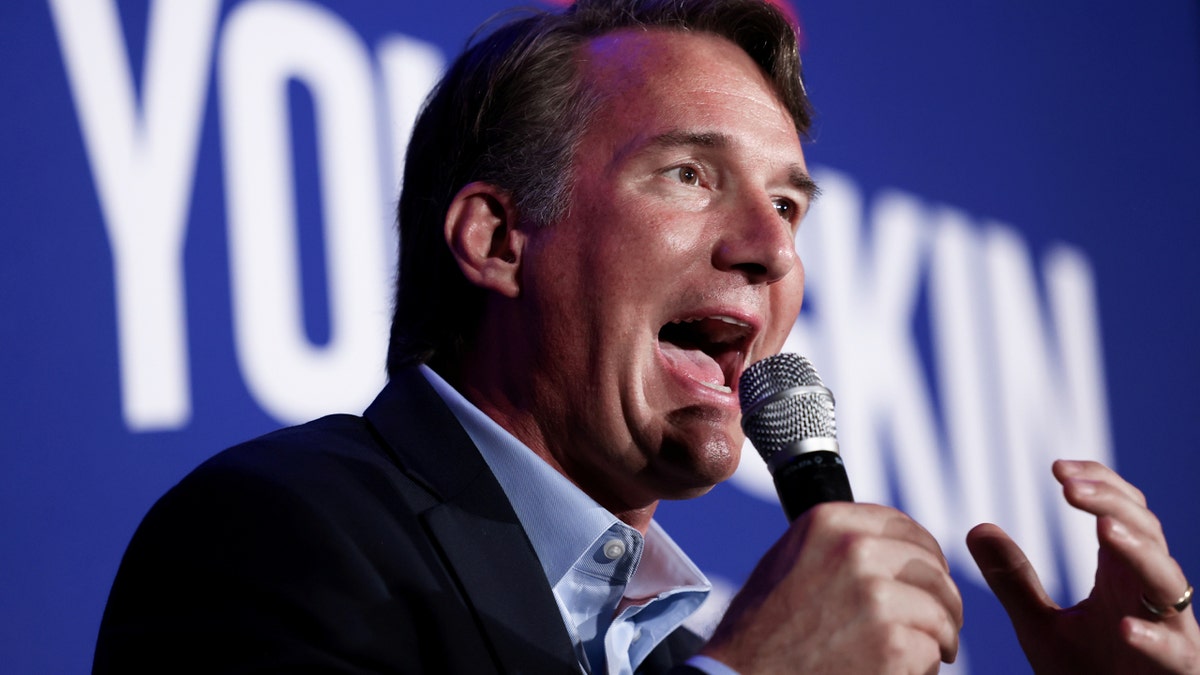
[486, 389]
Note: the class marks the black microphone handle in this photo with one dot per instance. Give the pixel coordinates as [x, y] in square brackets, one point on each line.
[809, 479]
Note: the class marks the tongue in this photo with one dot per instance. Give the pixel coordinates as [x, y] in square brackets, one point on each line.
[694, 363]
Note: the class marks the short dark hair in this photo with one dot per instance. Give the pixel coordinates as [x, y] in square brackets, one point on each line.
[510, 111]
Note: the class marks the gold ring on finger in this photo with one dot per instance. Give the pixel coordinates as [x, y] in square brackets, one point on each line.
[1172, 609]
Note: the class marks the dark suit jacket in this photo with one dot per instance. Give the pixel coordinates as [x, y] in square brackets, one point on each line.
[380, 543]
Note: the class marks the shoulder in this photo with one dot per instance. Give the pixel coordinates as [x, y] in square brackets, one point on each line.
[326, 451]
[328, 501]
[299, 542]
[322, 477]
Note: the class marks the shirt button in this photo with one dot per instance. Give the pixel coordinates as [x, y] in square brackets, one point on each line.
[614, 549]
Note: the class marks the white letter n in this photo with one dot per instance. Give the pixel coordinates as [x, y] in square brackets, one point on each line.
[1052, 399]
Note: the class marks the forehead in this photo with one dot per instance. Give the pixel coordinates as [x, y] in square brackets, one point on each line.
[631, 60]
[647, 82]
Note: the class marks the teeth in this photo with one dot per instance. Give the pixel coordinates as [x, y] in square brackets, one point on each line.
[719, 387]
[726, 319]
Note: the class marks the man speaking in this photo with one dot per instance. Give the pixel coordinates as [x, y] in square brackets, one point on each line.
[597, 238]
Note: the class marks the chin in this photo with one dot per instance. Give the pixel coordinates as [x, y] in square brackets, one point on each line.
[693, 468]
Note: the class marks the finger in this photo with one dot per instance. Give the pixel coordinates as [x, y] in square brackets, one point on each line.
[869, 558]
[937, 583]
[866, 556]
[902, 607]
[1162, 580]
[837, 519]
[1009, 575]
[1129, 531]
[895, 524]
[904, 528]
[1104, 500]
[1097, 472]
[1171, 650]
[878, 541]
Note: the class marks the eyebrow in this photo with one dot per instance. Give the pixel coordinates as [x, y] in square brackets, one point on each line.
[797, 176]
[803, 182]
[675, 139]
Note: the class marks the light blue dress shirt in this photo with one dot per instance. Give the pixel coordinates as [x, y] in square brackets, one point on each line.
[620, 593]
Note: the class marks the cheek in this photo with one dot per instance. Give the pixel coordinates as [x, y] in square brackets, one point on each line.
[636, 258]
[786, 300]
[798, 291]
[785, 308]
[652, 229]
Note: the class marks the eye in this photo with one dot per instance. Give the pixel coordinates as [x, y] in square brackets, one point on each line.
[688, 175]
[786, 209]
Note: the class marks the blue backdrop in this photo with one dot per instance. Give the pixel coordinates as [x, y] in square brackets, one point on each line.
[196, 207]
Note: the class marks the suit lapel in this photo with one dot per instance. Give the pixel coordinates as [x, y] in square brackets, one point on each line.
[473, 525]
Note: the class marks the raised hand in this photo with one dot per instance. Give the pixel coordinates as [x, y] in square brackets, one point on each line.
[1112, 630]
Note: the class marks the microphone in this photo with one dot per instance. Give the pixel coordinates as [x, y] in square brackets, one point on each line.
[787, 413]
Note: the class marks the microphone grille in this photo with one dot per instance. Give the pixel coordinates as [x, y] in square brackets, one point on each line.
[774, 418]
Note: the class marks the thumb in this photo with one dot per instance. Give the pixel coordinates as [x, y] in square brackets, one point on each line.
[1009, 575]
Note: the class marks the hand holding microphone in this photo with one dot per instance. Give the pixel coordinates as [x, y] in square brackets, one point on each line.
[858, 588]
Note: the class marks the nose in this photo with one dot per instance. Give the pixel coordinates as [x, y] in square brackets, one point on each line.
[757, 243]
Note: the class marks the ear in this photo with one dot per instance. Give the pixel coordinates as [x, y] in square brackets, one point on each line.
[481, 232]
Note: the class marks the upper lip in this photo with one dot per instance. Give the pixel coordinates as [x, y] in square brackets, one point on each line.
[725, 334]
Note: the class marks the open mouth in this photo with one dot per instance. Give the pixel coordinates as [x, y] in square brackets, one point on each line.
[707, 349]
